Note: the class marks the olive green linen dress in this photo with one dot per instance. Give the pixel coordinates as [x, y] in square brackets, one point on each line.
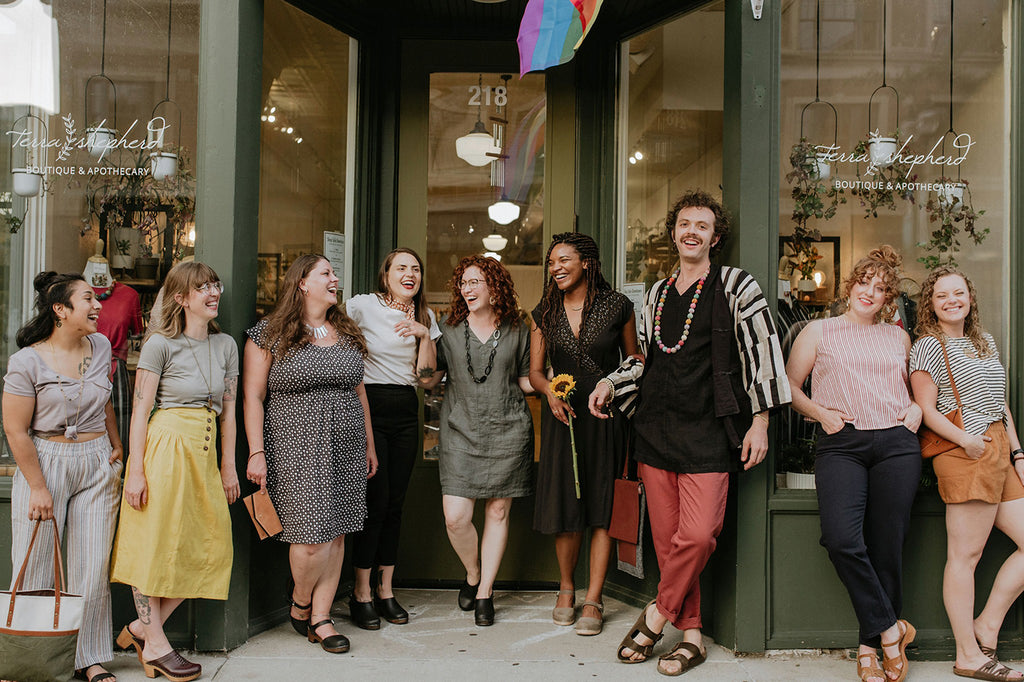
[486, 439]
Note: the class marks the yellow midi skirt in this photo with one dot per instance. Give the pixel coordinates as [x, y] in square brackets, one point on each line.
[179, 544]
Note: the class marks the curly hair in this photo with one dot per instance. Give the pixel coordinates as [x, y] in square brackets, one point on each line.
[285, 332]
[700, 199]
[182, 279]
[51, 289]
[551, 303]
[928, 321]
[884, 262]
[503, 293]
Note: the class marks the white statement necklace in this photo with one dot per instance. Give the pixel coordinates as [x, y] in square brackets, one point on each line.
[317, 332]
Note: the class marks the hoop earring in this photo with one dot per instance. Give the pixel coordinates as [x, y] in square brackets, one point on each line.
[305, 292]
[58, 323]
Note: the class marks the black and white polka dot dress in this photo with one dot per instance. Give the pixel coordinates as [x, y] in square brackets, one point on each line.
[315, 441]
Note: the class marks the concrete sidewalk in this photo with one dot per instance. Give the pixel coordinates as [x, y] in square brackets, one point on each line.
[442, 643]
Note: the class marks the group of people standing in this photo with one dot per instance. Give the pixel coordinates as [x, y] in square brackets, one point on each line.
[331, 419]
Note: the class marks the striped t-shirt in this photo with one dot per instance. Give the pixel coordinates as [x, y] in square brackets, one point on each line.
[861, 369]
[980, 381]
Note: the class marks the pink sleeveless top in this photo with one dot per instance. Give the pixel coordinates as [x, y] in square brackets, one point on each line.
[861, 370]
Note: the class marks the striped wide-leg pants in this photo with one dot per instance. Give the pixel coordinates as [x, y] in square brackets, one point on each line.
[121, 397]
[86, 490]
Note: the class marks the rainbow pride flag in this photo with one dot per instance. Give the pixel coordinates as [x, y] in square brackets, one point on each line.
[552, 30]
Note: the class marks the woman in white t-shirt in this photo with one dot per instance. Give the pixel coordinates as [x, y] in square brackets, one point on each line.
[400, 331]
[982, 480]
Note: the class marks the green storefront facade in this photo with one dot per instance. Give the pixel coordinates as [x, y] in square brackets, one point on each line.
[770, 585]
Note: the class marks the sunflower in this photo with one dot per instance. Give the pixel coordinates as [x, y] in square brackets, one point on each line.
[563, 385]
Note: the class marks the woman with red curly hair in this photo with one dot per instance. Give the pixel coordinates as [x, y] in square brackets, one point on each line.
[486, 448]
[868, 460]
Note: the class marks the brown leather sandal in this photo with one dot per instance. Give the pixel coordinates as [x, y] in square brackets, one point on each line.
[993, 670]
[695, 658]
[867, 672]
[899, 664]
[629, 641]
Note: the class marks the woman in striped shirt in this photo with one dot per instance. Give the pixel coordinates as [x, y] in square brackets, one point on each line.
[981, 480]
[868, 460]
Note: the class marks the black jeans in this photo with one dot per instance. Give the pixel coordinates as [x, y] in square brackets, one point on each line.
[866, 483]
[394, 414]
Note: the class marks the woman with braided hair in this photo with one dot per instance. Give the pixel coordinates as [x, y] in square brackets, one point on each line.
[582, 327]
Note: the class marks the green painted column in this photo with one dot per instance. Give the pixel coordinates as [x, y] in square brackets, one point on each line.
[227, 198]
[1014, 356]
[751, 187]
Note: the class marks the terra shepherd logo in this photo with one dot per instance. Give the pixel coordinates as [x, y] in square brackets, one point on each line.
[99, 140]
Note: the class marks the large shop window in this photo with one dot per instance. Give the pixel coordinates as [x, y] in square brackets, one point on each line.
[307, 127]
[670, 137]
[98, 115]
[938, 86]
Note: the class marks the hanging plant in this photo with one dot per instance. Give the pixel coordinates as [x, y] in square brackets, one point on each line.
[951, 211]
[813, 196]
[890, 181]
[13, 221]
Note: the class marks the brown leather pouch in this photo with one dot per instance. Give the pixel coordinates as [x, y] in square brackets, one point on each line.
[264, 516]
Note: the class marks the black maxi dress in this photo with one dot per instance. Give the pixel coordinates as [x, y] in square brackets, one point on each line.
[600, 443]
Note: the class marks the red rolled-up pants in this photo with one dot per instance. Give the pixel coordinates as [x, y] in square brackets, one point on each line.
[687, 512]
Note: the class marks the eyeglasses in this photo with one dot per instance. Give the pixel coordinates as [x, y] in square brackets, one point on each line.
[471, 283]
[210, 287]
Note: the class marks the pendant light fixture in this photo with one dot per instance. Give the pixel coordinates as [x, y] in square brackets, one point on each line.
[495, 242]
[881, 148]
[474, 146]
[164, 164]
[503, 211]
[101, 134]
[822, 168]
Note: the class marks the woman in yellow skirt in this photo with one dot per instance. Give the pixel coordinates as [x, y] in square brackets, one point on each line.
[174, 536]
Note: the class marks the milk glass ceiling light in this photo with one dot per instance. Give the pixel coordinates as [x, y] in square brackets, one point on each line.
[495, 242]
[474, 147]
[503, 211]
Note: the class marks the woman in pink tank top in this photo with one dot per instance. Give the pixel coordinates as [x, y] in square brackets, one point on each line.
[868, 461]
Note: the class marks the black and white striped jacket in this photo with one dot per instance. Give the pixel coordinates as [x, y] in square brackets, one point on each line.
[764, 371]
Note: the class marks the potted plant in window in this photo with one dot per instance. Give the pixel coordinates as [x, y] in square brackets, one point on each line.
[797, 462]
[889, 178]
[951, 211]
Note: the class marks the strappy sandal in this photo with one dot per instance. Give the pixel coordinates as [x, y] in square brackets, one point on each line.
[565, 615]
[690, 662]
[629, 641]
[866, 672]
[899, 664]
[80, 674]
[993, 670]
[988, 651]
[588, 625]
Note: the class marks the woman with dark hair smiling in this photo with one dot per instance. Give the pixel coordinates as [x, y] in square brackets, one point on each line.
[400, 332]
[60, 426]
[486, 443]
[582, 327]
[980, 480]
[309, 433]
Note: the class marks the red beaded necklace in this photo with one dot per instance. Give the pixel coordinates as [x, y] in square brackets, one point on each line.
[689, 314]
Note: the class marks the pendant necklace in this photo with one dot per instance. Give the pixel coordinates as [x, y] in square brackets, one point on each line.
[689, 314]
[493, 340]
[70, 430]
[209, 368]
[317, 332]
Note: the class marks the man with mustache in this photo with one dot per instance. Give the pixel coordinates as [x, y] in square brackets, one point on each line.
[713, 369]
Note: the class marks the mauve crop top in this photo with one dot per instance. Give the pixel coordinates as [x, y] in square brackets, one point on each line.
[29, 375]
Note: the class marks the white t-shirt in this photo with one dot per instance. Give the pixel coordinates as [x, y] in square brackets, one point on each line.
[392, 358]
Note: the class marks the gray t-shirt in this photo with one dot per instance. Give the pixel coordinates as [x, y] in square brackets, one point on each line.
[29, 375]
[190, 369]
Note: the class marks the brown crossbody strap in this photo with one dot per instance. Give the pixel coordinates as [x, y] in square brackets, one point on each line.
[949, 372]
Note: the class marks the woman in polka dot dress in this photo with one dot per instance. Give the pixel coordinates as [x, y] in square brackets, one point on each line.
[308, 426]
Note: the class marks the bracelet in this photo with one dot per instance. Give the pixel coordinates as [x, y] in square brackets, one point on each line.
[253, 454]
[761, 415]
[611, 387]
[1016, 455]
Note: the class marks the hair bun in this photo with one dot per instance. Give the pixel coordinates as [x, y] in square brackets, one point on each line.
[886, 255]
[44, 280]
